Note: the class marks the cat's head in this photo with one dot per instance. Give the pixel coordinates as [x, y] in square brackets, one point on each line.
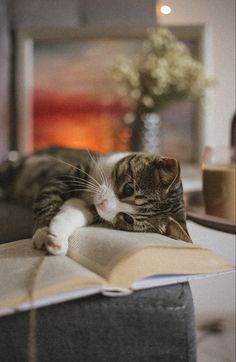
[144, 193]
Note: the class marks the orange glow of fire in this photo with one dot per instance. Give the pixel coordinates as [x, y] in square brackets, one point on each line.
[95, 133]
[78, 122]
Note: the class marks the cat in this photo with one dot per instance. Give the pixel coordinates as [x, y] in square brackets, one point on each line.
[71, 188]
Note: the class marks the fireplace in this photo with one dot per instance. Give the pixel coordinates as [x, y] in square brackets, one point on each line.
[75, 99]
[66, 94]
[78, 121]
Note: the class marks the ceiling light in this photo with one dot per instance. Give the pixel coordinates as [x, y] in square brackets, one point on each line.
[165, 9]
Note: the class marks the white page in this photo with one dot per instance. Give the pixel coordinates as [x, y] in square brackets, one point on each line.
[19, 262]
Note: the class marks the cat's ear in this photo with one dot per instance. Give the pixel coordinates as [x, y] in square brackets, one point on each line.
[169, 172]
[177, 230]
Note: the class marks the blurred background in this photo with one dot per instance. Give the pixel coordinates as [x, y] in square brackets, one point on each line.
[57, 86]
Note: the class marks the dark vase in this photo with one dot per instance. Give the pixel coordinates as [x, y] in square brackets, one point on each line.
[146, 132]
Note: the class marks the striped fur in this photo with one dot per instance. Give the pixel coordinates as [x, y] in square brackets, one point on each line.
[158, 196]
[49, 178]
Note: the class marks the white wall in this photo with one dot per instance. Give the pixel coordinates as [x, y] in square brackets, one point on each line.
[219, 18]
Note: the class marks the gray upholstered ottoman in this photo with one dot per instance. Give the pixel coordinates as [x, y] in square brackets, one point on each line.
[150, 325]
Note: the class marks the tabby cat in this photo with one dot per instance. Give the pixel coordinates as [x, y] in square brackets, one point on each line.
[70, 188]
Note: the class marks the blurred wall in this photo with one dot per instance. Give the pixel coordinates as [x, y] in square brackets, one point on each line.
[71, 13]
[24, 14]
[4, 79]
[219, 18]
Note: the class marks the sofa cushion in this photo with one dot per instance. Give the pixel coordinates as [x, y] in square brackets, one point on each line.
[16, 222]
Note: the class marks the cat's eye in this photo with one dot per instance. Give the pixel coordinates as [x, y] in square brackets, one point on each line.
[128, 190]
[128, 219]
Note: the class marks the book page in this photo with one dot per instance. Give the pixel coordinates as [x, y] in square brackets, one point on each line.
[99, 248]
[159, 280]
[27, 274]
[166, 261]
[123, 257]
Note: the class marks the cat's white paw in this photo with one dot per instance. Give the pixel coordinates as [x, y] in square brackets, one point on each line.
[54, 244]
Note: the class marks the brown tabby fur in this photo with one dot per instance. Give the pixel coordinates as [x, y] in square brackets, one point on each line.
[47, 178]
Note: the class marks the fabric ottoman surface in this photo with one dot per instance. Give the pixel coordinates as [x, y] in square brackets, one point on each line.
[152, 325]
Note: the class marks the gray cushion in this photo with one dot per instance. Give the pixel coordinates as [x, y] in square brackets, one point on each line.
[152, 325]
[15, 222]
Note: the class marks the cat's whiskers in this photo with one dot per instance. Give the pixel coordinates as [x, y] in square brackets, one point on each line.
[87, 197]
[73, 177]
[94, 184]
[77, 189]
[82, 181]
[86, 184]
[109, 186]
[74, 182]
[102, 175]
[104, 191]
[77, 168]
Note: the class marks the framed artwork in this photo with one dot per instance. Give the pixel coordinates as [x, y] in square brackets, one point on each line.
[67, 95]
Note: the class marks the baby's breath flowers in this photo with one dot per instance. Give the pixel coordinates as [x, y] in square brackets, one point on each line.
[163, 70]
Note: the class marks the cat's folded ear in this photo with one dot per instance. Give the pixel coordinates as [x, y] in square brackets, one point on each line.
[169, 172]
[177, 230]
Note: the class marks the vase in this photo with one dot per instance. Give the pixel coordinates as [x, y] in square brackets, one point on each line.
[146, 132]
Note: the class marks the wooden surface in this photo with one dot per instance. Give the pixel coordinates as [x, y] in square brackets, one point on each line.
[196, 212]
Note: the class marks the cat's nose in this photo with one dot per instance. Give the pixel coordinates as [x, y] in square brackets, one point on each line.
[103, 204]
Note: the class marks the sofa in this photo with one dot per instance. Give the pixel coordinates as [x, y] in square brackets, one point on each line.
[150, 325]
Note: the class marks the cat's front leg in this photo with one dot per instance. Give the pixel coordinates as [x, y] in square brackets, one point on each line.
[74, 213]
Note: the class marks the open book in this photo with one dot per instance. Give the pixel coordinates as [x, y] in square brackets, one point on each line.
[99, 259]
